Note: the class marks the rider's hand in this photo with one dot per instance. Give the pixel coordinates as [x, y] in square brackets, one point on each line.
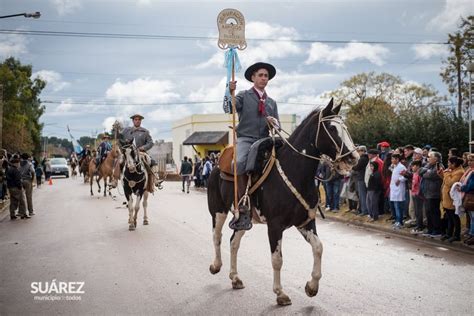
[232, 85]
[273, 121]
[141, 149]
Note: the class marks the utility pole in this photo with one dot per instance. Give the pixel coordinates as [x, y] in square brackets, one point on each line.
[470, 69]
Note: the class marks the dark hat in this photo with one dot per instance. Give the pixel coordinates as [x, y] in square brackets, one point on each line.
[137, 115]
[373, 152]
[255, 67]
[24, 156]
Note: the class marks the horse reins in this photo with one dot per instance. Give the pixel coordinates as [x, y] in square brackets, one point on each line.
[339, 156]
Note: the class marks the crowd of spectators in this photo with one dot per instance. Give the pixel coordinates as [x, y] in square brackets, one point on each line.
[17, 179]
[410, 184]
[197, 170]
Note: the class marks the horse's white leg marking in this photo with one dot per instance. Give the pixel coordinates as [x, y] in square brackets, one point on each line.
[131, 225]
[277, 263]
[145, 204]
[137, 208]
[312, 286]
[217, 232]
[234, 248]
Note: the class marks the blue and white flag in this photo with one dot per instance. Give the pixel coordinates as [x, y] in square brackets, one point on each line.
[75, 143]
[230, 55]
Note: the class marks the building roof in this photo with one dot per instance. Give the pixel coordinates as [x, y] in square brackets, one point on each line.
[207, 138]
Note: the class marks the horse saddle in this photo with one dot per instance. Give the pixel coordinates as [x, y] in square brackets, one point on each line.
[259, 154]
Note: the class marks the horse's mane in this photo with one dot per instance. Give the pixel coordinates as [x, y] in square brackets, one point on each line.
[306, 120]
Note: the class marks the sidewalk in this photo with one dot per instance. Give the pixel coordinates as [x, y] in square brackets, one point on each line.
[4, 209]
[385, 225]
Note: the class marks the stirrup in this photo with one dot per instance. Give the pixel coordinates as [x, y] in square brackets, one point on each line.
[244, 222]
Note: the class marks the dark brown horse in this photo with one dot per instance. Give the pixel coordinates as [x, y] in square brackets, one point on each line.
[84, 167]
[288, 196]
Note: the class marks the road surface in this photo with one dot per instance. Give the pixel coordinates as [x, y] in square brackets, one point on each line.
[163, 268]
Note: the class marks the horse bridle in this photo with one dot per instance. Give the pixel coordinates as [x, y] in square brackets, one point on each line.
[334, 119]
[137, 162]
[331, 118]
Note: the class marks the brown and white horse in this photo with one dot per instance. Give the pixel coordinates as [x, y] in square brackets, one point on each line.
[288, 196]
[135, 183]
[109, 170]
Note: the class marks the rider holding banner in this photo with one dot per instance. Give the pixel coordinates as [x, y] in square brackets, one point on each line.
[255, 109]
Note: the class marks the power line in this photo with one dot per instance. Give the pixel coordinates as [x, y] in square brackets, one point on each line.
[187, 38]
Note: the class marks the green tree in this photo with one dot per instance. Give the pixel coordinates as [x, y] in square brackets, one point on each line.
[383, 107]
[454, 73]
[22, 107]
[369, 121]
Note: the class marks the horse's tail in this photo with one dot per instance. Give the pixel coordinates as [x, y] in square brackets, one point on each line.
[215, 201]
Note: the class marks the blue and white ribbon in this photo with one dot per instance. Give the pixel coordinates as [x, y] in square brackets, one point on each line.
[230, 55]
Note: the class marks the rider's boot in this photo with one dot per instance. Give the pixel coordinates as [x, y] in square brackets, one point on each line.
[244, 222]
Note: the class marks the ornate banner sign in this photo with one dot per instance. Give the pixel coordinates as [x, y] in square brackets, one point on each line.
[231, 25]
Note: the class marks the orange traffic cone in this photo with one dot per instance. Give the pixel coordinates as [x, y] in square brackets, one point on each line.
[50, 181]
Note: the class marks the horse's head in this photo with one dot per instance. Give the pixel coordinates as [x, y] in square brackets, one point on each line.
[333, 139]
[132, 160]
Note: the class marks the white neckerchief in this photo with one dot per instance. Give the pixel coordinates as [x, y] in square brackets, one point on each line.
[260, 93]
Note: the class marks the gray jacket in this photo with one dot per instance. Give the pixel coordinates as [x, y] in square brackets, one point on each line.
[26, 170]
[431, 183]
[141, 135]
[251, 123]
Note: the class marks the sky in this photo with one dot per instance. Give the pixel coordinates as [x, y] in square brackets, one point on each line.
[161, 59]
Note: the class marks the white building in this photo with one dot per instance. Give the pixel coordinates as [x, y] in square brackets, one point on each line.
[207, 133]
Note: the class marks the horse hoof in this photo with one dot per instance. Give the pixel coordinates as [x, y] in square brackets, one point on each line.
[145, 222]
[309, 291]
[283, 300]
[131, 227]
[237, 284]
[215, 270]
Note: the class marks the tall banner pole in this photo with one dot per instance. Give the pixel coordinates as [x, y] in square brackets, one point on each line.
[234, 141]
[231, 25]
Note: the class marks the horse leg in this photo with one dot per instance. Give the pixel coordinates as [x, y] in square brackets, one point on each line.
[217, 222]
[137, 208]
[105, 186]
[91, 181]
[131, 225]
[145, 204]
[234, 248]
[309, 234]
[275, 234]
[98, 182]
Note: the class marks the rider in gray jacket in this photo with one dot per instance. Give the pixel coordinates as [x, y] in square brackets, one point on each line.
[142, 136]
[255, 109]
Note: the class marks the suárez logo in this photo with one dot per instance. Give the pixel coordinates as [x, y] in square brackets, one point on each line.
[55, 287]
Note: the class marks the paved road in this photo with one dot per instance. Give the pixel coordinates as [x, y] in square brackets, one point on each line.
[163, 268]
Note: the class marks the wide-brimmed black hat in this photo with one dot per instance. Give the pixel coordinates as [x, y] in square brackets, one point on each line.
[255, 67]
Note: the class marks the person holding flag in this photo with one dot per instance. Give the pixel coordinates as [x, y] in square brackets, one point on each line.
[256, 109]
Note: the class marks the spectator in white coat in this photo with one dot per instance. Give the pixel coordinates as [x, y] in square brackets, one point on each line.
[397, 190]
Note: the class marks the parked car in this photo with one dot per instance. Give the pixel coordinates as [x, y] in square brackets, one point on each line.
[59, 167]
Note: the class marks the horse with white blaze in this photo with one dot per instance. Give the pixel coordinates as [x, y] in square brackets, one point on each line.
[287, 196]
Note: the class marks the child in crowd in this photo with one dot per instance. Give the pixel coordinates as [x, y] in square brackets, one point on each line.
[39, 175]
